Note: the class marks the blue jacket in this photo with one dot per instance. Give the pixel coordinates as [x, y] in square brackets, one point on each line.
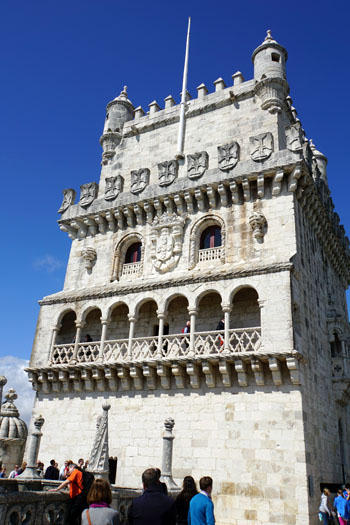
[201, 511]
[342, 506]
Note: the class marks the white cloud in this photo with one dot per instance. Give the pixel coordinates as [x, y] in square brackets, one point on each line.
[48, 262]
[13, 369]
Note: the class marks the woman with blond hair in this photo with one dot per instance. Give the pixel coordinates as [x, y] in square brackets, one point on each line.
[324, 508]
[99, 499]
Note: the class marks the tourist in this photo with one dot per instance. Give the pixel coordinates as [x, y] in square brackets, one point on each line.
[77, 499]
[63, 471]
[340, 504]
[183, 499]
[87, 338]
[52, 472]
[3, 472]
[162, 485]
[187, 328]
[23, 467]
[14, 472]
[81, 463]
[153, 507]
[324, 508]
[221, 327]
[40, 468]
[201, 510]
[99, 499]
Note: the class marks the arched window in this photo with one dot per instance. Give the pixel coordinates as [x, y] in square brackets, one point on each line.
[336, 346]
[133, 253]
[210, 238]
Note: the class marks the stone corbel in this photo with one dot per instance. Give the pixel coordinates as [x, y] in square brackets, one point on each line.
[169, 205]
[241, 369]
[32, 378]
[261, 185]
[200, 197]
[277, 182]
[150, 374]
[189, 201]
[180, 205]
[120, 218]
[211, 192]
[111, 221]
[179, 374]
[74, 377]
[101, 223]
[149, 211]
[293, 366]
[72, 232]
[163, 372]
[225, 370]
[275, 367]
[53, 380]
[209, 372]
[138, 214]
[91, 226]
[193, 371]
[81, 228]
[98, 377]
[123, 374]
[136, 375]
[129, 214]
[234, 192]
[223, 195]
[246, 189]
[258, 371]
[293, 178]
[64, 378]
[87, 379]
[111, 378]
[257, 222]
[158, 206]
[89, 256]
[42, 378]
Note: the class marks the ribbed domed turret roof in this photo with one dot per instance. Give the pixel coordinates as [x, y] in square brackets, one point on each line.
[11, 426]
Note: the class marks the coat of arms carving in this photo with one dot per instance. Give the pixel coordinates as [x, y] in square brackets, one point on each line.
[68, 199]
[88, 193]
[139, 180]
[228, 156]
[167, 172]
[294, 137]
[261, 146]
[197, 163]
[166, 241]
[114, 186]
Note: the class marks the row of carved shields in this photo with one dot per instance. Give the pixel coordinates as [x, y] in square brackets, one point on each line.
[261, 147]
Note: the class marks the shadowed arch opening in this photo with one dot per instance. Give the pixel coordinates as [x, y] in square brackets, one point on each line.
[245, 309]
[147, 320]
[67, 331]
[209, 312]
[118, 327]
[177, 314]
[91, 331]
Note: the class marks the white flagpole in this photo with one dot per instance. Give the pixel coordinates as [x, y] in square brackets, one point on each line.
[180, 139]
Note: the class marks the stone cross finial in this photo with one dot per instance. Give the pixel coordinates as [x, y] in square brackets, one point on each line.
[11, 395]
[168, 439]
[33, 450]
[169, 424]
[98, 460]
[268, 35]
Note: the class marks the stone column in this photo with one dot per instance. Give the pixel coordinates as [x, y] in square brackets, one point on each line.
[54, 333]
[3, 382]
[226, 308]
[264, 343]
[167, 460]
[33, 451]
[193, 315]
[132, 321]
[104, 323]
[161, 317]
[77, 339]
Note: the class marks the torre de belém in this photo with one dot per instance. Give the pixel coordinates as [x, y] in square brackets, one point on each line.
[240, 228]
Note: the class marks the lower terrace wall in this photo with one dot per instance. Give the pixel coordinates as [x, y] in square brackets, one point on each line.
[251, 442]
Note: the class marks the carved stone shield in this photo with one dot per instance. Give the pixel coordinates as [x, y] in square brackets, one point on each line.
[166, 241]
[294, 137]
[167, 172]
[68, 199]
[261, 146]
[139, 180]
[88, 193]
[197, 163]
[114, 186]
[228, 156]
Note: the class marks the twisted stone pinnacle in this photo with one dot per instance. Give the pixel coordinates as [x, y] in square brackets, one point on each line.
[3, 381]
[106, 406]
[39, 421]
[169, 424]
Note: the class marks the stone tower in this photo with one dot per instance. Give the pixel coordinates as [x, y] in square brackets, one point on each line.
[240, 238]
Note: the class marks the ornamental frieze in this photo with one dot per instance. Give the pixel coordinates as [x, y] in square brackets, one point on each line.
[228, 156]
[197, 164]
[68, 199]
[139, 180]
[167, 172]
[88, 193]
[166, 241]
[114, 186]
[261, 146]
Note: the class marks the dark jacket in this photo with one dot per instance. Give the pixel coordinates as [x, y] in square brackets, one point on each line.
[52, 473]
[152, 508]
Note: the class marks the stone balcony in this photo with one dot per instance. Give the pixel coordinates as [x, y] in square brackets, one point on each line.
[170, 361]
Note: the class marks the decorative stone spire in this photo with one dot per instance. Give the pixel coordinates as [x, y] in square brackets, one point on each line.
[321, 161]
[98, 462]
[168, 439]
[3, 382]
[33, 450]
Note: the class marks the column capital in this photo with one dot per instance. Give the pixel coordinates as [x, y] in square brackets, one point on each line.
[105, 320]
[132, 318]
[226, 308]
[79, 324]
[261, 303]
[161, 315]
[57, 327]
[192, 311]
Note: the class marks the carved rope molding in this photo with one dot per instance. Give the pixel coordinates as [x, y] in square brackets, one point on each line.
[198, 227]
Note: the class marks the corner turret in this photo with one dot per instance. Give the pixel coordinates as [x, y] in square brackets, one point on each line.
[321, 161]
[118, 111]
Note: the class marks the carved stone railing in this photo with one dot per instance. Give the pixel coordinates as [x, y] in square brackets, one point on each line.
[341, 366]
[210, 254]
[172, 346]
[132, 269]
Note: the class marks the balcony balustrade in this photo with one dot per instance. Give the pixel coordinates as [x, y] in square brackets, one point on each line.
[210, 254]
[132, 269]
[167, 347]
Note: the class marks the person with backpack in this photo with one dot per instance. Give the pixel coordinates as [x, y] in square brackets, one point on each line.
[79, 482]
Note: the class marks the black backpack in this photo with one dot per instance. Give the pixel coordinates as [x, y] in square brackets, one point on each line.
[88, 479]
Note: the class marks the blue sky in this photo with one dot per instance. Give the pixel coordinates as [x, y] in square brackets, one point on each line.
[63, 61]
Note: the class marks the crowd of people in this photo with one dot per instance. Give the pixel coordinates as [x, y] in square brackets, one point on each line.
[336, 511]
